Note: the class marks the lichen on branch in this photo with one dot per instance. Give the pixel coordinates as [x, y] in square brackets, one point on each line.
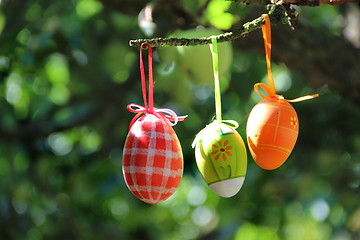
[277, 14]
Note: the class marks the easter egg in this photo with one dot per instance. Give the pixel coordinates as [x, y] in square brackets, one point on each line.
[272, 129]
[221, 158]
[152, 159]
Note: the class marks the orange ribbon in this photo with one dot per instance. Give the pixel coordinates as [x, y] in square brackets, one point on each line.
[270, 90]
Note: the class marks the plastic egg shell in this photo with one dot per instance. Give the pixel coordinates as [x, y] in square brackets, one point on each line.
[272, 130]
[221, 158]
[152, 159]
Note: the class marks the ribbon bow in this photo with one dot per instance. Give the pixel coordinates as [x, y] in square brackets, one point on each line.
[266, 30]
[164, 113]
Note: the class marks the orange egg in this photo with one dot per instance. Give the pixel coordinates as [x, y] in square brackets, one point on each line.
[272, 129]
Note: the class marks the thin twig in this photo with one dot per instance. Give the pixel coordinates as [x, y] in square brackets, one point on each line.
[276, 14]
[292, 16]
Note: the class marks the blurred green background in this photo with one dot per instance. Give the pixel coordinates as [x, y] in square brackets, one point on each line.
[67, 74]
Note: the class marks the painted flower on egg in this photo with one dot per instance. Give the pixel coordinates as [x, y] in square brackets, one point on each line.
[293, 122]
[220, 150]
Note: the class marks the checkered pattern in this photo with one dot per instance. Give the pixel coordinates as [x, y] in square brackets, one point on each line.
[152, 159]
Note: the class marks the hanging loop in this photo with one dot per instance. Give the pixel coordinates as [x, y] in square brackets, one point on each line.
[266, 31]
[270, 90]
[148, 108]
[215, 61]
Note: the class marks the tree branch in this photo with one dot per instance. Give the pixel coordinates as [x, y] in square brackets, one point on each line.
[276, 13]
[297, 2]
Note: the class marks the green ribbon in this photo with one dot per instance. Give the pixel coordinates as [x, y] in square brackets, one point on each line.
[230, 123]
[215, 58]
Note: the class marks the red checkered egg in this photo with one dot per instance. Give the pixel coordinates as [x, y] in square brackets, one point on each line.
[152, 159]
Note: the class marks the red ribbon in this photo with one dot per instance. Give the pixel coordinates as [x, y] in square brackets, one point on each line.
[164, 113]
[266, 31]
